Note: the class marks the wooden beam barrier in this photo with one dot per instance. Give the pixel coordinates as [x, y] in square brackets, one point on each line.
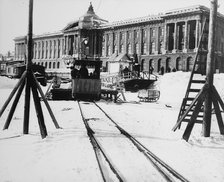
[13, 92]
[13, 107]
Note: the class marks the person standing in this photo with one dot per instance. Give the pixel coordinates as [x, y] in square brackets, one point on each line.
[83, 71]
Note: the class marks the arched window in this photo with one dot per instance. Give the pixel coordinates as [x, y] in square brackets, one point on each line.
[144, 65]
[58, 65]
[49, 65]
[151, 66]
[178, 64]
[53, 65]
[159, 65]
[45, 64]
[168, 65]
[190, 64]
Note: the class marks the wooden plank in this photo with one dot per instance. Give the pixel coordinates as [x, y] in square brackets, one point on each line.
[206, 128]
[198, 97]
[46, 103]
[191, 123]
[38, 108]
[26, 106]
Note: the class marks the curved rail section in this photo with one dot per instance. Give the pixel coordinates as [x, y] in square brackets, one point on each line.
[168, 173]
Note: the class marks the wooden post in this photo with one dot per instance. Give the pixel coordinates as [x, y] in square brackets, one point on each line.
[28, 70]
[13, 107]
[38, 108]
[46, 103]
[210, 70]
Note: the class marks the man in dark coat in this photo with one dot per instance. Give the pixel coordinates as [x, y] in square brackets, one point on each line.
[83, 71]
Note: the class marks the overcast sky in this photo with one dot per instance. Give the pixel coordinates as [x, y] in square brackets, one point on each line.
[54, 15]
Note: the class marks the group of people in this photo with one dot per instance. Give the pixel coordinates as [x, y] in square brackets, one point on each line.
[82, 72]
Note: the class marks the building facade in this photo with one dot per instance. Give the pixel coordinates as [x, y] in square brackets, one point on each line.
[169, 40]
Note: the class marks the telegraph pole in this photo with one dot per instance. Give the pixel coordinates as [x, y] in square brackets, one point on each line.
[28, 70]
[206, 127]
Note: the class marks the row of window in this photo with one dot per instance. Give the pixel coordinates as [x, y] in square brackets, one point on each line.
[135, 34]
[47, 49]
[178, 66]
[49, 65]
[136, 49]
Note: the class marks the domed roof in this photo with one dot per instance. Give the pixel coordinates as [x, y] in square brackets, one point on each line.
[90, 19]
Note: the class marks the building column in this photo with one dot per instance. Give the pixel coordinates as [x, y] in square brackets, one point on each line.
[196, 35]
[157, 41]
[132, 41]
[46, 49]
[75, 45]
[60, 48]
[140, 42]
[16, 51]
[105, 45]
[149, 41]
[41, 49]
[125, 41]
[66, 45]
[186, 35]
[175, 38]
[165, 39]
[118, 42]
[49, 47]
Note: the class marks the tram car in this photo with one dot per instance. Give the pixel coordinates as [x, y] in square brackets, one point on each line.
[16, 71]
[86, 82]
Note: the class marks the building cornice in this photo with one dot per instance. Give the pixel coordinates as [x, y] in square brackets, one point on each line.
[191, 10]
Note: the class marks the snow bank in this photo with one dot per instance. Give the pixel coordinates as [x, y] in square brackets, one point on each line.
[6, 83]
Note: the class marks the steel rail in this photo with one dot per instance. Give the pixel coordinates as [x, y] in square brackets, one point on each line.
[150, 155]
[98, 149]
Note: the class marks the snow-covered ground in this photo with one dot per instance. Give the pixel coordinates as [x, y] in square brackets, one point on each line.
[67, 155]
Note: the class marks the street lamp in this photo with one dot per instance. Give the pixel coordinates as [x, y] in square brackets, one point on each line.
[85, 42]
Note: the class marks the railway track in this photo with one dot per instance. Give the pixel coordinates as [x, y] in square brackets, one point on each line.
[101, 128]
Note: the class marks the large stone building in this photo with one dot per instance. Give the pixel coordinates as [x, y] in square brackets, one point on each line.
[168, 39]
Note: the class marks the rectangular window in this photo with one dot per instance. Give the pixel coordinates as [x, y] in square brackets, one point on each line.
[137, 48]
[144, 34]
[153, 48]
[136, 34]
[160, 47]
[128, 35]
[129, 48]
[153, 32]
[161, 31]
[122, 48]
[121, 36]
[144, 48]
